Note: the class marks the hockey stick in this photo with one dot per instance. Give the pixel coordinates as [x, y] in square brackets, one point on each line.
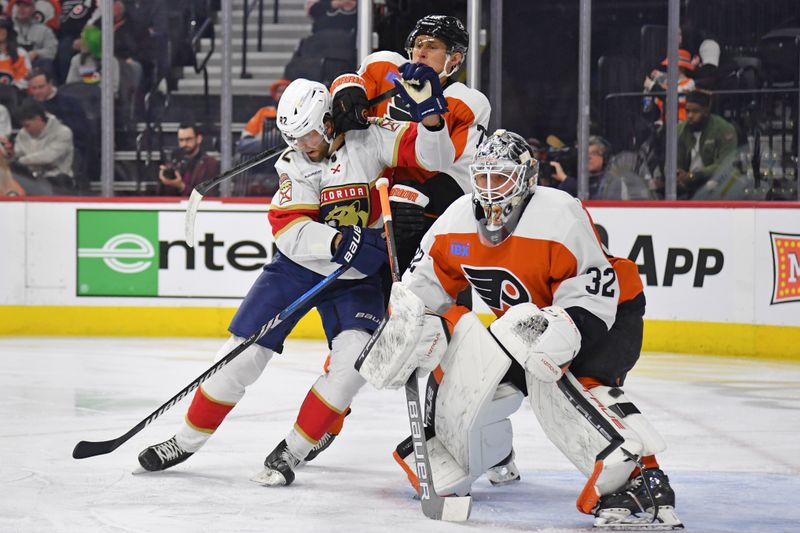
[200, 190]
[89, 449]
[451, 508]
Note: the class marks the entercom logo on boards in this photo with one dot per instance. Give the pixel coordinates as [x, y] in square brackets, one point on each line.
[117, 253]
[142, 253]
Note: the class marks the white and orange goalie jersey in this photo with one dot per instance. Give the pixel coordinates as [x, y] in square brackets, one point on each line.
[553, 257]
[467, 118]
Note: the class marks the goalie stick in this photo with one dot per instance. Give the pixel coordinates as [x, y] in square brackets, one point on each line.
[200, 190]
[90, 449]
[451, 508]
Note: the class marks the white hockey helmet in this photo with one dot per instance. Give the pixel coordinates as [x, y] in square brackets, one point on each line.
[302, 110]
[504, 174]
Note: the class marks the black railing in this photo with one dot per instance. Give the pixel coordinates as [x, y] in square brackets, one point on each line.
[248, 9]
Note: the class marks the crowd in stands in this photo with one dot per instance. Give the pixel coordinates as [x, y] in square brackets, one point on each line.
[50, 63]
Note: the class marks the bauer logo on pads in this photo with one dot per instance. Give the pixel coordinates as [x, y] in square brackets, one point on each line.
[785, 267]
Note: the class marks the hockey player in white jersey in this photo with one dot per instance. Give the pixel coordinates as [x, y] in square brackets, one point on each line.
[326, 213]
[568, 330]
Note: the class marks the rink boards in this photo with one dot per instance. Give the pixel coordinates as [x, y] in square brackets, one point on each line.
[720, 278]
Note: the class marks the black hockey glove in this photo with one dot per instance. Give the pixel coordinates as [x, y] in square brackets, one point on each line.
[362, 248]
[408, 212]
[350, 106]
[421, 91]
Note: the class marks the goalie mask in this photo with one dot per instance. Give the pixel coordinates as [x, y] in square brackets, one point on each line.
[503, 174]
[448, 29]
[301, 114]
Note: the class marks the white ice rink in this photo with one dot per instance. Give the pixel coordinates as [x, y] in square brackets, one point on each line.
[733, 427]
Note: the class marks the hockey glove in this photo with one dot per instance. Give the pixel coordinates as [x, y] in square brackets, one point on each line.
[413, 339]
[350, 106]
[421, 91]
[408, 212]
[362, 248]
[543, 341]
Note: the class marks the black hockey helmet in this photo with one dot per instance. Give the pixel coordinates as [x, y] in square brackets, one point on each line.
[448, 29]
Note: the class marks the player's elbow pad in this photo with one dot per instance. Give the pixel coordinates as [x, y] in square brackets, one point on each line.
[412, 339]
[543, 341]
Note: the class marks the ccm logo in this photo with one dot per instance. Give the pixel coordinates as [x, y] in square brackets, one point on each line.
[352, 247]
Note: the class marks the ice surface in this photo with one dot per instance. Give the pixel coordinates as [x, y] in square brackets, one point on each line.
[732, 426]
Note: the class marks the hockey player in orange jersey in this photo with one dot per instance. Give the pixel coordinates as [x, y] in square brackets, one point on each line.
[417, 197]
[568, 330]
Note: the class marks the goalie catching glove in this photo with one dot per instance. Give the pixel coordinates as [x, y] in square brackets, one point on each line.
[421, 91]
[543, 341]
[411, 339]
[349, 107]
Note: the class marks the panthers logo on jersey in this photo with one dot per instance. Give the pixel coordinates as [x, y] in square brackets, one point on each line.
[345, 205]
[498, 287]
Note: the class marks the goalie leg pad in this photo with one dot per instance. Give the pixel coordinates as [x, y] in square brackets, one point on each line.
[619, 404]
[471, 410]
[588, 433]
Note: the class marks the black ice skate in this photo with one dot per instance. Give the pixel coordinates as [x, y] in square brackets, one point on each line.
[162, 456]
[321, 446]
[646, 503]
[278, 467]
[504, 472]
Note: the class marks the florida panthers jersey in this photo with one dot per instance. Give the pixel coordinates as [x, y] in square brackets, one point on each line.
[467, 118]
[313, 199]
[553, 257]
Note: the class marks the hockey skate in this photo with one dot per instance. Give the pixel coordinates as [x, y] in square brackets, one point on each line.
[321, 446]
[163, 455]
[646, 503]
[504, 472]
[279, 467]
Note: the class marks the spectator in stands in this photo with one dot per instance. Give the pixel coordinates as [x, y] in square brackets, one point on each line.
[45, 11]
[705, 142]
[35, 37]
[65, 108]
[14, 63]
[707, 74]
[86, 65]
[43, 148]
[191, 165]
[5, 121]
[599, 151]
[332, 14]
[149, 18]
[253, 134]
[8, 185]
[75, 14]
[657, 80]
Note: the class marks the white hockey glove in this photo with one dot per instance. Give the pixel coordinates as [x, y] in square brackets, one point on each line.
[543, 341]
[411, 339]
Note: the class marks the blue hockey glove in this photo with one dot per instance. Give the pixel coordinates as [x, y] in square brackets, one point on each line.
[362, 248]
[421, 91]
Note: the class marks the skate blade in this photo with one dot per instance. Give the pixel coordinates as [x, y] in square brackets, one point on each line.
[269, 478]
[139, 470]
[500, 481]
[623, 520]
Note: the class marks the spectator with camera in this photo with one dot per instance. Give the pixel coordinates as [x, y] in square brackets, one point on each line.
[190, 164]
[598, 150]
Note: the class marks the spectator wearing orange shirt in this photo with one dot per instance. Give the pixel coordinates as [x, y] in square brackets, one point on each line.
[657, 80]
[14, 63]
[254, 138]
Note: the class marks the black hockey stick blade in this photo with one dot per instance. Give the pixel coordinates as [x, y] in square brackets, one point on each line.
[86, 449]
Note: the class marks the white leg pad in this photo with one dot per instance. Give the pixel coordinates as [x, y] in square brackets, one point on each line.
[471, 410]
[586, 446]
[618, 402]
